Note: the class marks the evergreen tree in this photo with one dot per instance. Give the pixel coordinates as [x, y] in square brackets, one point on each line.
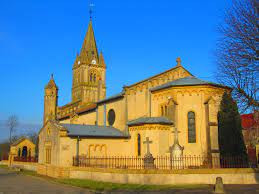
[231, 142]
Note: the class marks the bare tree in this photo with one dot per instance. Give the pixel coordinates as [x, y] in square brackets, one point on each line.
[33, 136]
[237, 53]
[12, 123]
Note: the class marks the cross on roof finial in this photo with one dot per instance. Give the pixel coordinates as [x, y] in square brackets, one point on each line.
[178, 61]
[91, 5]
[52, 76]
[147, 142]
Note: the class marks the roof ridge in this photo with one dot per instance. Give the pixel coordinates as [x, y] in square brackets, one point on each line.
[158, 75]
[186, 81]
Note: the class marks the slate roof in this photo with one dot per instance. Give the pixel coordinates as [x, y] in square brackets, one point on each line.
[19, 141]
[150, 120]
[51, 83]
[93, 131]
[186, 81]
[116, 96]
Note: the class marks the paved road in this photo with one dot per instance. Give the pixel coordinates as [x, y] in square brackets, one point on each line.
[11, 182]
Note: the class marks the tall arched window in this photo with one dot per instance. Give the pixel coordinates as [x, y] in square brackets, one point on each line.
[162, 110]
[191, 127]
[139, 145]
[91, 77]
[94, 77]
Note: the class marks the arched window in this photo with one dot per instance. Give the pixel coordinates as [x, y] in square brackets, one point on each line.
[139, 145]
[91, 77]
[191, 127]
[111, 117]
[162, 110]
[24, 151]
[94, 77]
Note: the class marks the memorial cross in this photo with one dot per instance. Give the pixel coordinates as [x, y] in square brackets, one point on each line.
[147, 142]
[175, 135]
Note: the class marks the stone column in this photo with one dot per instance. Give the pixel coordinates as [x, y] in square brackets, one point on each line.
[126, 113]
[12, 153]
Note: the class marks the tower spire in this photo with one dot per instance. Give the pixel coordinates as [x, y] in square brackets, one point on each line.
[89, 49]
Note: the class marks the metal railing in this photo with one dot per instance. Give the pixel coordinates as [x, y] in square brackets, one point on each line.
[4, 157]
[162, 162]
[26, 159]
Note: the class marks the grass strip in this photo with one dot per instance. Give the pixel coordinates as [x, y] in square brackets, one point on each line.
[3, 166]
[106, 186]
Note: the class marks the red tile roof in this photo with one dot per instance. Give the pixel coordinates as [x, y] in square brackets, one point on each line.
[248, 121]
[79, 111]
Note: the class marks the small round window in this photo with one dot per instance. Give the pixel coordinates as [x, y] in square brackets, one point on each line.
[111, 117]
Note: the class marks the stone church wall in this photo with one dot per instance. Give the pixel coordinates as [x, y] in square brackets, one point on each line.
[119, 108]
[191, 99]
[49, 138]
[137, 103]
[160, 135]
[92, 147]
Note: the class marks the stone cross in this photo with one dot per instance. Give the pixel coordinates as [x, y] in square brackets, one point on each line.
[147, 142]
[175, 135]
[178, 61]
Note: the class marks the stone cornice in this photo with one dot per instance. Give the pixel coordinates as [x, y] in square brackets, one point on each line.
[150, 127]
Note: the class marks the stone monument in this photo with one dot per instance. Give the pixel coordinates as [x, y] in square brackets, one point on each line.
[176, 152]
[148, 158]
[219, 187]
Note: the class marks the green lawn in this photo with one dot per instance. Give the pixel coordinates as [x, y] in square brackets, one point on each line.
[96, 185]
[106, 186]
[3, 166]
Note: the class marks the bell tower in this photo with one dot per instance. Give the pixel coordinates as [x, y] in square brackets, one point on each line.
[89, 71]
[50, 101]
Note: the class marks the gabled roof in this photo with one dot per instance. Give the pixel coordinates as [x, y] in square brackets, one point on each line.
[113, 97]
[75, 130]
[150, 120]
[186, 81]
[86, 108]
[21, 140]
[81, 110]
[157, 75]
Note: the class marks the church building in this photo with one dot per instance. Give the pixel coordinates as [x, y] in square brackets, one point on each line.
[95, 125]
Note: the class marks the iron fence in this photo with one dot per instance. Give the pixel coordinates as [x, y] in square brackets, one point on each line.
[161, 162]
[4, 157]
[26, 159]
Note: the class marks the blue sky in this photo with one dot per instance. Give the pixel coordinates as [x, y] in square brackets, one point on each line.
[138, 39]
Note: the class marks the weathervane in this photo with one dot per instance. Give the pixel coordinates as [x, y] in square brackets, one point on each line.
[91, 5]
